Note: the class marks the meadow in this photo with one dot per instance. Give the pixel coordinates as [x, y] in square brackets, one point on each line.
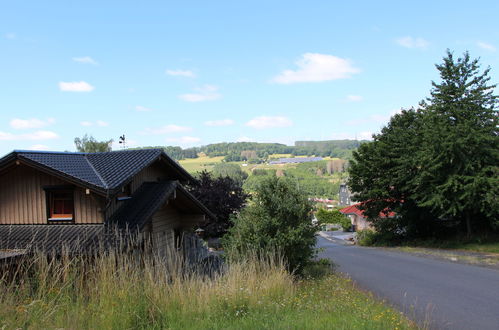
[119, 291]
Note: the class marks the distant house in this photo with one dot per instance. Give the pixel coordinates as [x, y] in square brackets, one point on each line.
[358, 219]
[51, 199]
[295, 160]
[345, 195]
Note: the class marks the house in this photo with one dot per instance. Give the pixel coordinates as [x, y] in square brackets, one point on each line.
[51, 199]
[345, 195]
[359, 220]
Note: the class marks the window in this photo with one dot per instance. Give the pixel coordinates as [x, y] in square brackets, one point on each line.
[125, 193]
[60, 205]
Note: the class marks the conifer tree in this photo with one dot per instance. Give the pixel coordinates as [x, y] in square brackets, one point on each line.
[459, 155]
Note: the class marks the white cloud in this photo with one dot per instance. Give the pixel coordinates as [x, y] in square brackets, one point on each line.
[39, 147]
[168, 129]
[10, 36]
[486, 46]
[269, 122]
[313, 67]
[354, 98]
[244, 139]
[221, 122]
[205, 93]
[410, 42]
[17, 123]
[75, 86]
[184, 140]
[100, 123]
[181, 73]
[85, 60]
[142, 108]
[38, 135]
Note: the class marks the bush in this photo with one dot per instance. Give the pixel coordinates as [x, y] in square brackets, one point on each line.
[334, 217]
[366, 237]
[277, 218]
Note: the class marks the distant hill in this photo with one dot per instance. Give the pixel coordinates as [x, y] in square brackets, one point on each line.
[237, 151]
[331, 148]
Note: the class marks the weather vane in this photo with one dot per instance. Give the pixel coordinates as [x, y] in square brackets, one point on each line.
[123, 141]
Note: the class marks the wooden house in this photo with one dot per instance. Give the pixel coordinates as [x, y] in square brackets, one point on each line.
[50, 199]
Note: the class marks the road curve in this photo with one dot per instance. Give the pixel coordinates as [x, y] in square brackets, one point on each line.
[435, 293]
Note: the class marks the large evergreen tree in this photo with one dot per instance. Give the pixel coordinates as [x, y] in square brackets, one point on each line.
[459, 154]
[439, 161]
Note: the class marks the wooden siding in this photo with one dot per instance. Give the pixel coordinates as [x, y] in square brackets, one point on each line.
[23, 200]
[154, 172]
[164, 222]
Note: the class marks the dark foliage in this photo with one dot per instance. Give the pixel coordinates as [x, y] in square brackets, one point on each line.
[221, 195]
[436, 166]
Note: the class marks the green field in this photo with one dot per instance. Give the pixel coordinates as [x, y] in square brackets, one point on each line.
[193, 165]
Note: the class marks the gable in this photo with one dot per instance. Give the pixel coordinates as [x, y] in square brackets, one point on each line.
[104, 172]
[23, 198]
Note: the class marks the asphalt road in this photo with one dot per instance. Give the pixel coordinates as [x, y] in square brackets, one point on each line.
[435, 293]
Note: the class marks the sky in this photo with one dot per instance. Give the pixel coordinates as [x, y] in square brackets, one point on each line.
[190, 73]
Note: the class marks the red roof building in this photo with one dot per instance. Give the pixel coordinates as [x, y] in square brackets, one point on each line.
[359, 220]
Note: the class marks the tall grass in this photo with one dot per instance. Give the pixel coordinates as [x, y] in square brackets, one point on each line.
[115, 290]
[119, 290]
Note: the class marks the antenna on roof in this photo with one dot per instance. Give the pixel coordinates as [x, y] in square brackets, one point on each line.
[123, 141]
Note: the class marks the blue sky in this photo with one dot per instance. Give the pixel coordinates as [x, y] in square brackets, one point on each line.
[196, 72]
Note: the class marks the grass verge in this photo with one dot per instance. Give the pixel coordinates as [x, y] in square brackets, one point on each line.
[121, 292]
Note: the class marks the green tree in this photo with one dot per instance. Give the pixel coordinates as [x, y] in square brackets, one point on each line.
[437, 162]
[231, 170]
[459, 155]
[278, 217]
[221, 195]
[90, 144]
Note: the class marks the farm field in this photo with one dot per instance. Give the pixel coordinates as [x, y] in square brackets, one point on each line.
[193, 165]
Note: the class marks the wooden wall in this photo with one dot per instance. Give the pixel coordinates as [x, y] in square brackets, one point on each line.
[153, 173]
[162, 230]
[22, 198]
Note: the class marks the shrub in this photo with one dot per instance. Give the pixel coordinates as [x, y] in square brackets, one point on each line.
[366, 237]
[346, 223]
[277, 218]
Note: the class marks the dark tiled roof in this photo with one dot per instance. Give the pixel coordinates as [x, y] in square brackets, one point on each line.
[50, 237]
[116, 167]
[103, 170]
[71, 164]
[145, 201]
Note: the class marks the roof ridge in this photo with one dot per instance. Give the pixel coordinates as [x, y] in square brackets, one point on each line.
[49, 152]
[96, 172]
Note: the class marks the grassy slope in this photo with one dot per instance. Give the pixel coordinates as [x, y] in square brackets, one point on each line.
[115, 293]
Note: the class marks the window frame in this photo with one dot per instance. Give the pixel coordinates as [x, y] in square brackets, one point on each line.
[49, 191]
